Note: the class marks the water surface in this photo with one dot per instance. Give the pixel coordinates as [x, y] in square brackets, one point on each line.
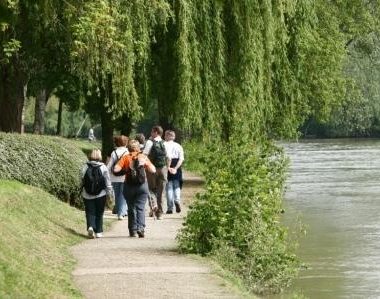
[334, 185]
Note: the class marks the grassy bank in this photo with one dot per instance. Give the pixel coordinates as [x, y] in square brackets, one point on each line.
[36, 232]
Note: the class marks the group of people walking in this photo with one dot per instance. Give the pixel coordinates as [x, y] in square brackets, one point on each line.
[137, 172]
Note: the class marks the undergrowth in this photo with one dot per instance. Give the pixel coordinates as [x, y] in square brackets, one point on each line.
[236, 219]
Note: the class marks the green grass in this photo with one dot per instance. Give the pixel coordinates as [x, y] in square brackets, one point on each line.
[85, 145]
[36, 231]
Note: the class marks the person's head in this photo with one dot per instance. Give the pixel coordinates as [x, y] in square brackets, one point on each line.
[133, 146]
[169, 135]
[95, 155]
[156, 131]
[140, 138]
[120, 140]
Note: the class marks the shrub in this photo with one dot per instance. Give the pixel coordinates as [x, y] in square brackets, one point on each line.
[51, 163]
[236, 219]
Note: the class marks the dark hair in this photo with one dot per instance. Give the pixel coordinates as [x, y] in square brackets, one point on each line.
[158, 130]
[121, 140]
[140, 138]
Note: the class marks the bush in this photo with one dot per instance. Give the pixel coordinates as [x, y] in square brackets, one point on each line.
[236, 219]
[51, 163]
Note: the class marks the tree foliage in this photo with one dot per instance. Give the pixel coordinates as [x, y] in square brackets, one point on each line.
[255, 68]
[111, 49]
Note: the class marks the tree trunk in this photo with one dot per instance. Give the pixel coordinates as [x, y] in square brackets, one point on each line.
[12, 96]
[39, 112]
[107, 133]
[23, 109]
[59, 121]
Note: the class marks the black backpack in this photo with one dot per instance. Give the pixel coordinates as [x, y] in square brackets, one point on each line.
[135, 174]
[158, 154]
[121, 172]
[93, 180]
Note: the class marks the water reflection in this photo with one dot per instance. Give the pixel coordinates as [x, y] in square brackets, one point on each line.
[335, 186]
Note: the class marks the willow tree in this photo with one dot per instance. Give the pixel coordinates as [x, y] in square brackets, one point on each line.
[251, 68]
[111, 55]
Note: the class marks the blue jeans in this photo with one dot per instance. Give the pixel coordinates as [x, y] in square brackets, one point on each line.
[94, 213]
[173, 193]
[136, 197]
[120, 202]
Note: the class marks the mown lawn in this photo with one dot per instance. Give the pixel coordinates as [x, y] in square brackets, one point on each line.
[36, 231]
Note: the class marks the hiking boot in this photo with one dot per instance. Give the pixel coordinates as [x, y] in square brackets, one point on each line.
[91, 233]
[169, 212]
[141, 233]
[159, 215]
[133, 234]
[99, 235]
[177, 207]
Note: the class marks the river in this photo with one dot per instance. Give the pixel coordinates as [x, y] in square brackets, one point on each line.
[334, 186]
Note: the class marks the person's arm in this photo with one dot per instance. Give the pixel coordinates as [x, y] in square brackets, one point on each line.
[144, 160]
[120, 165]
[107, 178]
[148, 147]
[111, 161]
[168, 158]
[181, 158]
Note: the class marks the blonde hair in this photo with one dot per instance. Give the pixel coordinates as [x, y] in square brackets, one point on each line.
[95, 155]
[133, 145]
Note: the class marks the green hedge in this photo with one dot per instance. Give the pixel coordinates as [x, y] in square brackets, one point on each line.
[237, 219]
[51, 163]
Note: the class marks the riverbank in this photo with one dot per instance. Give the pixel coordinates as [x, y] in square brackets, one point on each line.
[118, 266]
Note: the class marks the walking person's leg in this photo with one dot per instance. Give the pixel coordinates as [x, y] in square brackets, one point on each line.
[120, 202]
[129, 194]
[89, 205]
[170, 197]
[151, 178]
[161, 179]
[177, 195]
[140, 201]
[100, 204]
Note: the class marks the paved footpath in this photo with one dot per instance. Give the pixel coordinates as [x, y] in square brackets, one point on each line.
[117, 266]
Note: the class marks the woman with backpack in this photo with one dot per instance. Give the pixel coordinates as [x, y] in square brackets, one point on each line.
[96, 186]
[118, 180]
[136, 191]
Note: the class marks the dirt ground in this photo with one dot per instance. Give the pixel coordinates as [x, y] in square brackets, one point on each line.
[117, 266]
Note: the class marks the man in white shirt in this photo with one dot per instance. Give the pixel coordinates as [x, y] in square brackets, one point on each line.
[174, 184]
[155, 150]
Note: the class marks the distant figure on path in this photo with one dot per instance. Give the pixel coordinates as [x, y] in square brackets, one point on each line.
[91, 135]
[174, 184]
[96, 186]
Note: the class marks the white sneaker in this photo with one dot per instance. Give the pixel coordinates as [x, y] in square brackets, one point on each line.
[91, 232]
[99, 235]
[120, 217]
